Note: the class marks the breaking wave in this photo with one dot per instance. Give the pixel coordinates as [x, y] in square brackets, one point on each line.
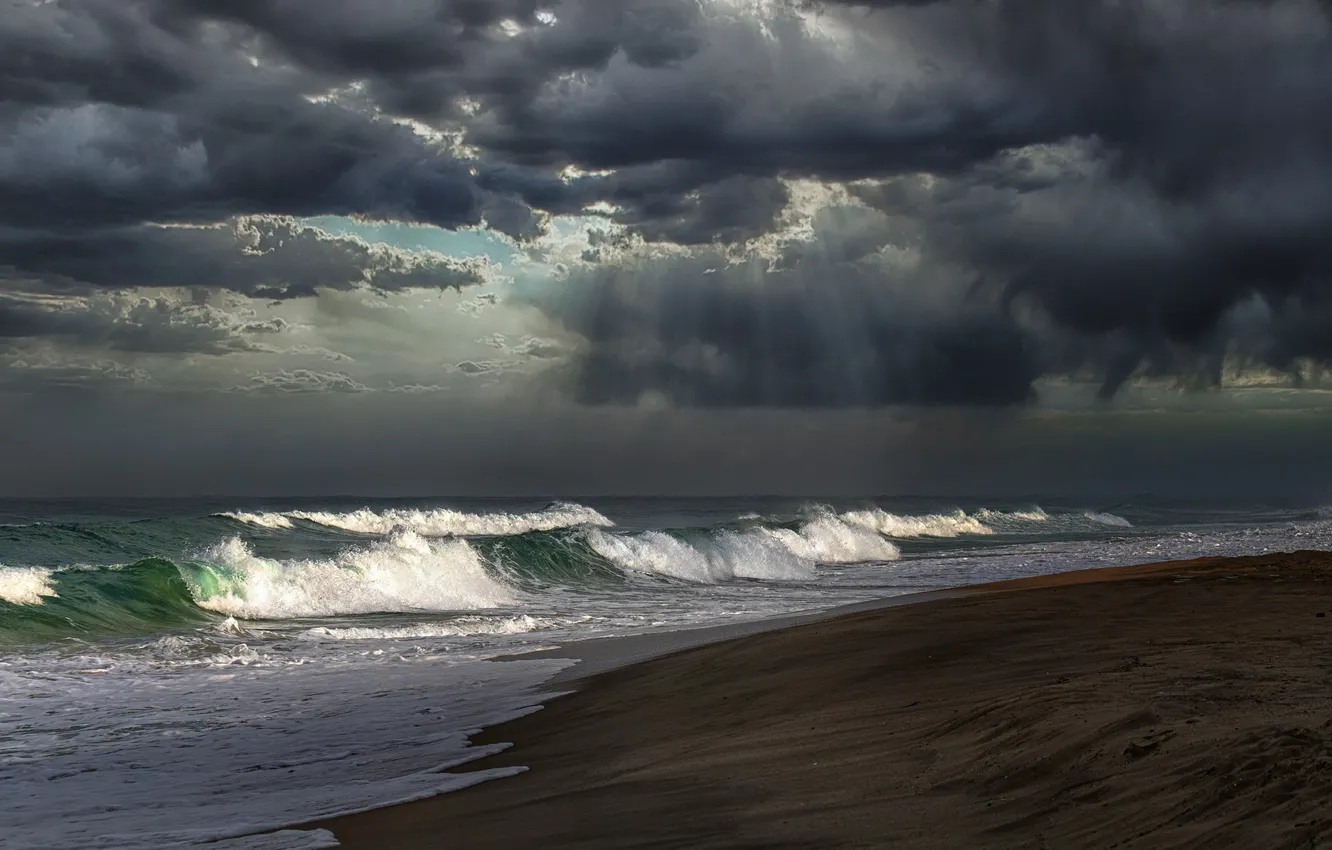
[424, 561]
[727, 555]
[25, 585]
[438, 522]
[1108, 519]
[931, 525]
[402, 573]
[774, 554]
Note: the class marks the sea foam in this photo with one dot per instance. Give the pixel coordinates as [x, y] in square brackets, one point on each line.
[211, 756]
[402, 573]
[827, 539]
[726, 555]
[461, 627]
[25, 585]
[772, 554]
[929, 525]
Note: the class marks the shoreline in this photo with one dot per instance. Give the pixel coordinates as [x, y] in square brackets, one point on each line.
[594, 656]
[712, 739]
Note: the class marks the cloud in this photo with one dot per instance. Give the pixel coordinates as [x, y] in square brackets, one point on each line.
[475, 306]
[103, 165]
[1124, 279]
[527, 347]
[301, 381]
[133, 324]
[269, 257]
[1125, 179]
[1105, 190]
[44, 372]
[478, 368]
[699, 331]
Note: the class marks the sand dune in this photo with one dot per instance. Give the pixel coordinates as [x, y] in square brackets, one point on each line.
[1179, 705]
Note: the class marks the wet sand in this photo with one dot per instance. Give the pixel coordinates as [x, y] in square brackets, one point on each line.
[1186, 704]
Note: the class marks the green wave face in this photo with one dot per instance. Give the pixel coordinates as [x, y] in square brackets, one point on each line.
[141, 598]
[155, 595]
[541, 558]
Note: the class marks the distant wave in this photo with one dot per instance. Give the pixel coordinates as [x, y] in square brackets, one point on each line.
[437, 522]
[981, 523]
[780, 554]
[931, 525]
[831, 546]
[1108, 519]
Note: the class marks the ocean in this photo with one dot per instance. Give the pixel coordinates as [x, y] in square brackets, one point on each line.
[177, 672]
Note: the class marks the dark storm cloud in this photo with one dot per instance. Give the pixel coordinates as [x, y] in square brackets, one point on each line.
[1208, 144]
[117, 113]
[1205, 130]
[1109, 188]
[264, 257]
[137, 325]
[252, 152]
[731, 210]
[806, 335]
[418, 55]
[1112, 267]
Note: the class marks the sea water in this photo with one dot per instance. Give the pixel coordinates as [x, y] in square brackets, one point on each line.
[176, 672]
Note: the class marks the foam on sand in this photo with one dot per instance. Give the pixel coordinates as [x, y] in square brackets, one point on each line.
[461, 627]
[207, 756]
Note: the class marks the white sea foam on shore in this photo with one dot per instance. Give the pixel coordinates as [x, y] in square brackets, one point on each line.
[114, 762]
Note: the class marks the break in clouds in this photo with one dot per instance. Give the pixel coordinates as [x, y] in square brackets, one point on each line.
[689, 203]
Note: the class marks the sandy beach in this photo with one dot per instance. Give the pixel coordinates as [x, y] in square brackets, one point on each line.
[1184, 704]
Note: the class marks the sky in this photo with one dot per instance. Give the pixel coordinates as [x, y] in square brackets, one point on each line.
[482, 247]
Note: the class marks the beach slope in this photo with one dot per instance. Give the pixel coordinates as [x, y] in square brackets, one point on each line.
[1186, 704]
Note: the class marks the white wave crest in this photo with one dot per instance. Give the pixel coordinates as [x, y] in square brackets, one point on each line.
[462, 627]
[1036, 514]
[929, 525]
[725, 555]
[400, 574]
[437, 522]
[1108, 519]
[826, 539]
[773, 554]
[264, 520]
[25, 585]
